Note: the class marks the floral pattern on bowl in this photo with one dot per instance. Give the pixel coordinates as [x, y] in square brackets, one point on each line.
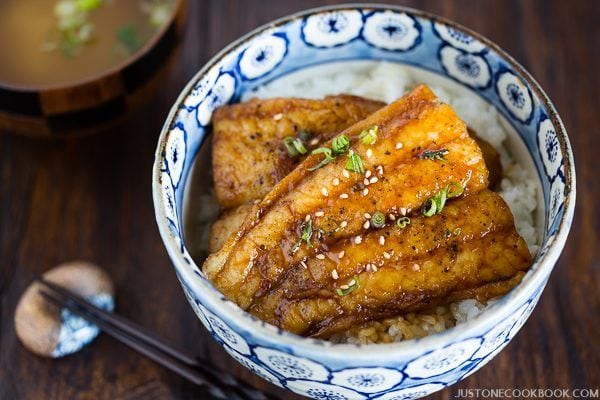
[319, 369]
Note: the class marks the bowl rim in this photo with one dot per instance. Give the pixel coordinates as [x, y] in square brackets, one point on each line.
[178, 6]
[267, 333]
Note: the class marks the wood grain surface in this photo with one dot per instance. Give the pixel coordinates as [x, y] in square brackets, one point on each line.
[90, 198]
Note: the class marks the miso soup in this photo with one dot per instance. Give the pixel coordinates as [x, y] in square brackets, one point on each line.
[52, 42]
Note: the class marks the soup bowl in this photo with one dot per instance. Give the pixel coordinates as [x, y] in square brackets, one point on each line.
[96, 102]
[439, 48]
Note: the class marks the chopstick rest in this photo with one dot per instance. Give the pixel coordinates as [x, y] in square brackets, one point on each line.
[49, 331]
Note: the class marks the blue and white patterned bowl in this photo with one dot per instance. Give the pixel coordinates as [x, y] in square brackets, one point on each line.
[321, 369]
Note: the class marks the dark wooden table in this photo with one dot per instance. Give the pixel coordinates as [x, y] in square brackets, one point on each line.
[91, 199]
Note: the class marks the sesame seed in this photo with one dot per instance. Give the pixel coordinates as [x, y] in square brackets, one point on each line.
[373, 180]
[314, 141]
[402, 210]
[352, 282]
[256, 201]
[368, 267]
[380, 170]
[368, 173]
[392, 217]
[346, 173]
[366, 225]
[416, 267]
[369, 153]
[365, 192]
[307, 218]
[341, 254]
[367, 215]
[386, 255]
[381, 240]
[366, 182]
[319, 214]
[320, 256]
[343, 196]
[344, 287]
[358, 240]
[325, 192]
[277, 117]
[334, 274]
[343, 224]
[374, 267]
[398, 146]
[304, 264]
[325, 247]
[336, 182]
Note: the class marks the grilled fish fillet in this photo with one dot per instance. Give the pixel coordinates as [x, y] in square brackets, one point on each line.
[471, 250]
[255, 260]
[275, 167]
[248, 157]
[492, 159]
[227, 223]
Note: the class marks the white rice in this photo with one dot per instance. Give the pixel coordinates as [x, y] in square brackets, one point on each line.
[388, 82]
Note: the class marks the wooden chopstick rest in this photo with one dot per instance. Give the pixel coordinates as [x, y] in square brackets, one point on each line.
[51, 332]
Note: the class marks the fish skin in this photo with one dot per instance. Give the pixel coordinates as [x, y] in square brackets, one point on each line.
[248, 156]
[485, 259]
[255, 259]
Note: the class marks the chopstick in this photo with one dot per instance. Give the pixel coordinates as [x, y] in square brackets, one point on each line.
[220, 384]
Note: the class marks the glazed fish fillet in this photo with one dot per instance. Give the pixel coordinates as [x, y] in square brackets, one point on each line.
[397, 179]
[229, 221]
[275, 166]
[470, 250]
[248, 156]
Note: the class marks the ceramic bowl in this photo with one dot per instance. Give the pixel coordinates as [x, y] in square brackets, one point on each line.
[98, 102]
[409, 369]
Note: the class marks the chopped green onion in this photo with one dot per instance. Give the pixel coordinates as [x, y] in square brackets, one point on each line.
[73, 26]
[294, 146]
[351, 288]
[328, 157]
[306, 232]
[340, 144]
[324, 150]
[369, 136]
[456, 231]
[158, 12]
[435, 204]
[459, 190]
[429, 208]
[378, 219]
[403, 222]
[288, 142]
[434, 155]
[129, 38]
[354, 163]
[88, 5]
[304, 135]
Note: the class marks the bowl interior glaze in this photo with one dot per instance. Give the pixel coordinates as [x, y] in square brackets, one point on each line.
[333, 34]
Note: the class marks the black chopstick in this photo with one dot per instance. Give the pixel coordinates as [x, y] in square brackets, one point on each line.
[220, 384]
[124, 324]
